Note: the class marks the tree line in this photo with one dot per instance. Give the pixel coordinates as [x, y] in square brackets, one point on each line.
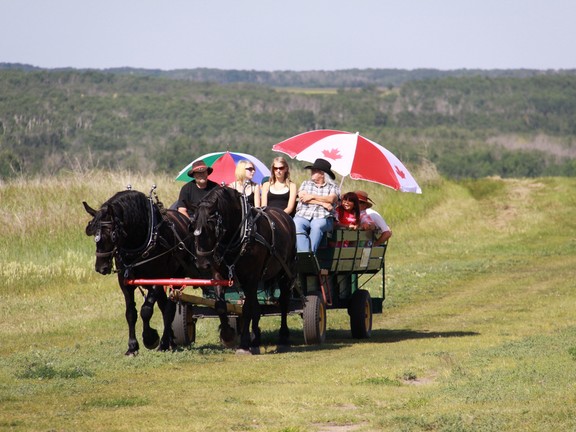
[348, 78]
[63, 119]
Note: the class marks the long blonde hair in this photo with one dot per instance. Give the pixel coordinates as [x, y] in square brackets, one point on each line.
[282, 161]
[240, 172]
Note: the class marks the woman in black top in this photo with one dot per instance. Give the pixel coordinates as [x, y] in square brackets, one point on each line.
[280, 191]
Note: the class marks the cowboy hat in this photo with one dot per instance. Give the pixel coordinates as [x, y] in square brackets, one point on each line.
[322, 165]
[199, 166]
[363, 198]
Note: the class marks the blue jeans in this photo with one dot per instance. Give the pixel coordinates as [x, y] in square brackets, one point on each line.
[313, 229]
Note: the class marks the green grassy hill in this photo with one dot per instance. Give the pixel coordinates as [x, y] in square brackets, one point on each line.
[478, 331]
[468, 126]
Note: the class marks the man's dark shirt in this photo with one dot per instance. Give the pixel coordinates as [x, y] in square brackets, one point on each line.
[192, 194]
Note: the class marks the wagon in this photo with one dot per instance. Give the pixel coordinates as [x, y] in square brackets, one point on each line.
[329, 279]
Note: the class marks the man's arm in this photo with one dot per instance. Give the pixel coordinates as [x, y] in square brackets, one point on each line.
[383, 238]
[309, 198]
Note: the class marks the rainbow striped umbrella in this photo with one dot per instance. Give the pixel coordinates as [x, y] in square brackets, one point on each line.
[224, 165]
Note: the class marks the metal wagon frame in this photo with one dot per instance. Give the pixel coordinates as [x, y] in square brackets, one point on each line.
[326, 280]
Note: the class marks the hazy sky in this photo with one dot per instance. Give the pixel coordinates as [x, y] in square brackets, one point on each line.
[289, 35]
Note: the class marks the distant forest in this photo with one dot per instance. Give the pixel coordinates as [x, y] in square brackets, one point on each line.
[469, 124]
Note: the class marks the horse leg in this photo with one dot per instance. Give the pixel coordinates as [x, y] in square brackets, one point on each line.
[250, 342]
[150, 335]
[284, 334]
[256, 334]
[227, 333]
[245, 336]
[168, 308]
[131, 318]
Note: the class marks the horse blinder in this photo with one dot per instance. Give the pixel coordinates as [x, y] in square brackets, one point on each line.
[216, 219]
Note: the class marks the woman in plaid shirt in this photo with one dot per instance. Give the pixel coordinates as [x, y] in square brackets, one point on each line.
[315, 211]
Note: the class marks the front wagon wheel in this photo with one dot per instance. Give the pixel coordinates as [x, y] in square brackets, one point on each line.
[184, 325]
[314, 320]
[360, 311]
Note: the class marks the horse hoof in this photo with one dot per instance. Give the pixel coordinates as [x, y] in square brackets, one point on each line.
[241, 351]
[255, 350]
[164, 346]
[151, 342]
[228, 337]
[228, 344]
[131, 353]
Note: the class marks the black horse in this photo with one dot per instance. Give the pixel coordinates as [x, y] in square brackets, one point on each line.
[145, 241]
[248, 245]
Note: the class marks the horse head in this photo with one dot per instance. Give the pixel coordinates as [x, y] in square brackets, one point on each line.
[106, 233]
[210, 224]
[120, 225]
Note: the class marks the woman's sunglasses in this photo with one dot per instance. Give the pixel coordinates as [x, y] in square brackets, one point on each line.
[250, 169]
[282, 168]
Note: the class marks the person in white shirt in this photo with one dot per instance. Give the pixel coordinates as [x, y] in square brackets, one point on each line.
[383, 232]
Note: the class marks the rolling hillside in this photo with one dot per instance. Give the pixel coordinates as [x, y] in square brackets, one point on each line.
[467, 126]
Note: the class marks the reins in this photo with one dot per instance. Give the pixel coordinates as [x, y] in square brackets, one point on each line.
[240, 239]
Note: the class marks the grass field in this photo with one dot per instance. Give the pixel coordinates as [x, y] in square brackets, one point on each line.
[478, 331]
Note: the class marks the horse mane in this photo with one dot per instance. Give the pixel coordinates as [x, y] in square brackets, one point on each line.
[131, 207]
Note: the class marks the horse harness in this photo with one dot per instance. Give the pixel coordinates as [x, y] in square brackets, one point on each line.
[246, 232]
[152, 239]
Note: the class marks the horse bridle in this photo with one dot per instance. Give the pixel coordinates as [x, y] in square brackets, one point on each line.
[142, 251]
[98, 236]
[218, 230]
[238, 241]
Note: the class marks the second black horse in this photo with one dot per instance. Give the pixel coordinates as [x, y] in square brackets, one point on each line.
[250, 246]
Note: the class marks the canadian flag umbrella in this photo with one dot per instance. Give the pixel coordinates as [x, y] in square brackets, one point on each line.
[352, 155]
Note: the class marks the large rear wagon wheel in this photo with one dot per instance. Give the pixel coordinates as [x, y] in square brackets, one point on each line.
[360, 311]
[184, 325]
[314, 320]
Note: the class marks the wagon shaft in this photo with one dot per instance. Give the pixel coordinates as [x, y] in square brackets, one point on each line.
[177, 295]
[180, 282]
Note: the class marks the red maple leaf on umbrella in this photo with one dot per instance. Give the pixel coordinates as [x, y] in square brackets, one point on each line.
[332, 154]
[400, 172]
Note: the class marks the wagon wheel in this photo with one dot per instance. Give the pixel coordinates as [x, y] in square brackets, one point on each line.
[314, 320]
[360, 311]
[184, 325]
